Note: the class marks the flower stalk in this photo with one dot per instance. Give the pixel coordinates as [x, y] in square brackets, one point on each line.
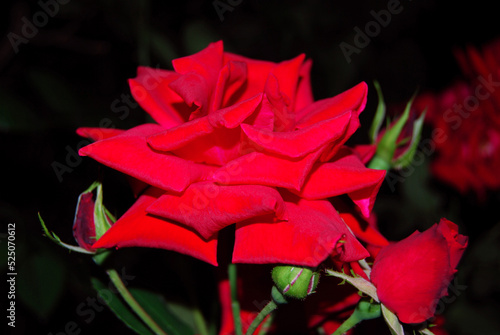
[133, 304]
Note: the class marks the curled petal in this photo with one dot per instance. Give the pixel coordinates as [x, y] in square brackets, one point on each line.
[151, 90]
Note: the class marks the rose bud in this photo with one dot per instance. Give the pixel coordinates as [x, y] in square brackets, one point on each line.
[91, 218]
[294, 281]
[413, 274]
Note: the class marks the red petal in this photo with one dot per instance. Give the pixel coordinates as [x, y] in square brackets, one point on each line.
[365, 152]
[257, 74]
[181, 135]
[207, 63]
[304, 96]
[97, 134]
[261, 169]
[233, 116]
[311, 234]
[195, 92]
[229, 85]
[456, 242]
[287, 74]
[207, 207]
[363, 229]
[299, 142]
[353, 99]
[137, 228]
[151, 90]
[413, 274]
[344, 175]
[130, 154]
[83, 224]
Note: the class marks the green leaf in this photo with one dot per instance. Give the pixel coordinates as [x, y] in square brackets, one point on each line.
[378, 119]
[392, 321]
[407, 157]
[152, 303]
[120, 309]
[40, 282]
[158, 309]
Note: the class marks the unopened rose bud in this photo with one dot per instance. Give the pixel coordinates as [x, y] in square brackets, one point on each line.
[91, 219]
[295, 281]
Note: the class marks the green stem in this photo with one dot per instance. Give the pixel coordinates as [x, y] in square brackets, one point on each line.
[134, 305]
[352, 321]
[269, 308]
[235, 305]
[267, 324]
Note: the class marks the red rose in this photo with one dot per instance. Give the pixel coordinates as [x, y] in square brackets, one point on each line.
[413, 274]
[466, 123]
[239, 141]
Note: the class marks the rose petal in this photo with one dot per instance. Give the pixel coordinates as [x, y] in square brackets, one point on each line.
[207, 63]
[304, 95]
[456, 242]
[97, 134]
[353, 99]
[151, 90]
[179, 136]
[130, 154]
[194, 91]
[310, 235]
[344, 175]
[229, 85]
[233, 116]
[207, 207]
[261, 169]
[299, 142]
[137, 228]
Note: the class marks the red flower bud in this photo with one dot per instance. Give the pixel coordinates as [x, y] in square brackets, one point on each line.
[413, 274]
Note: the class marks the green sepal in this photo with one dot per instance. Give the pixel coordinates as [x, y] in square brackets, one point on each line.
[392, 321]
[388, 143]
[54, 238]
[360, 283]
[407, 157]
[378, 119]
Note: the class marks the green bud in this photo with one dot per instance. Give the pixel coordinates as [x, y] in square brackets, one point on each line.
[295, 281]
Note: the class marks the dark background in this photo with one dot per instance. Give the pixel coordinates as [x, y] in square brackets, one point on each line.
[74, 70]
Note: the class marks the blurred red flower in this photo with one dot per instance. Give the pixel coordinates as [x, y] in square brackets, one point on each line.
[466, 121]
